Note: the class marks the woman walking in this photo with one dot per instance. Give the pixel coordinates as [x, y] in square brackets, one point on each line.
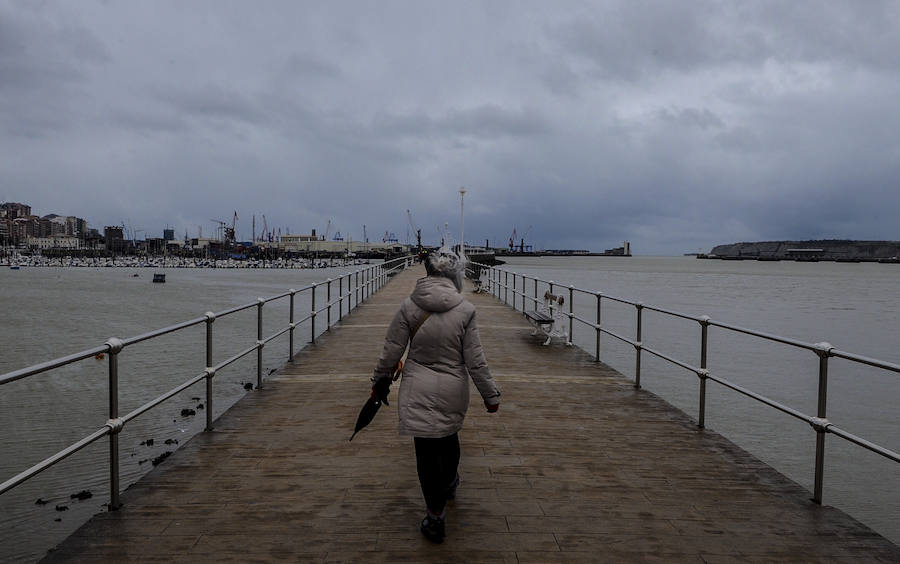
[445, 349]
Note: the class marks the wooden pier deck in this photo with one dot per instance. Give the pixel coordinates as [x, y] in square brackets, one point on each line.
[577, 466]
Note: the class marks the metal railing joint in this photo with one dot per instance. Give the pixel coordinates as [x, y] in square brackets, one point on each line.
[820, 424]
[115, 345]
[115, 425]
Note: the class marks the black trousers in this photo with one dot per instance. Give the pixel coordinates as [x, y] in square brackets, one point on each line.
[437, 461]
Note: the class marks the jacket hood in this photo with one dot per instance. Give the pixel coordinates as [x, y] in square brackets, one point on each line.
[436, 294]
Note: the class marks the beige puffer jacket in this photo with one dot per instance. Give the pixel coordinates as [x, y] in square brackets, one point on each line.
[445, 351]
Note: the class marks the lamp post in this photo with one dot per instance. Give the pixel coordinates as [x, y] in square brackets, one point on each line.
[462, 238]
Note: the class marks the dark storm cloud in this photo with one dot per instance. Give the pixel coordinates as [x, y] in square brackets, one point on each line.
[674, 125]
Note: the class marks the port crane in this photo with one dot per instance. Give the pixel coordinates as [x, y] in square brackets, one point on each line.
[522, 240]
[521, 245]
[220, 228]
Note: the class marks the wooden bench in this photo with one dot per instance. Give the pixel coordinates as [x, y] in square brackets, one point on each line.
[539, 317]
[481, 283]
[548, 318]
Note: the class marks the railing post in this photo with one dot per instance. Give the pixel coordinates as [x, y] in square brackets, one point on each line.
[704, 340]
[535, 294]
[514, 291]
[637, 347]
[599, 299]
[524, 290]
[506, 287]
[821, 422]
[210, 318]
[571, 314]
[357, 288]
[259, 341]
[349, 292]
[312, 314]
[328, 301]
[341, 298]
[293, 326]
[115, 424]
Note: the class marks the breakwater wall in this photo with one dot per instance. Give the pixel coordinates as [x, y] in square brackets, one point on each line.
[825, 249]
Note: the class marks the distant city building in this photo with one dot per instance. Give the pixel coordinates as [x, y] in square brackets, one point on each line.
[16, 223]
[202, 242]
[53, 225]
[115, 237]
[155, 245]
[58, 242]
[24, 227]
[12, 210]
[313, 244]
[169, 234]
[92, 238]
[298, 240]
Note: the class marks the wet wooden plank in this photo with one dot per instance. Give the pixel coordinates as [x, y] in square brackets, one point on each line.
[577, 466]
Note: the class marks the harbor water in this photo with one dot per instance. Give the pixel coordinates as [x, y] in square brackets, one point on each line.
[50, 312]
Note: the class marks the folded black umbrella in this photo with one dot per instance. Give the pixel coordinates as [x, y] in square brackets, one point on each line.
[366, 414]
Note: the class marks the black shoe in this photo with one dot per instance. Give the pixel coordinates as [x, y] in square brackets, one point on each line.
[451, 491]
[433, 529]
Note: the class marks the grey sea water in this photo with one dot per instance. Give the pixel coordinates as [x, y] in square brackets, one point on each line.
[853, 306]
[50, 312]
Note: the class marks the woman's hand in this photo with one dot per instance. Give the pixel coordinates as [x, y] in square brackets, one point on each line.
[381, 388]
[492, 408]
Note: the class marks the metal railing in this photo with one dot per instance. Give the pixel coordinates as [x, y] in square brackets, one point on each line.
[497, 280]
[360, 284]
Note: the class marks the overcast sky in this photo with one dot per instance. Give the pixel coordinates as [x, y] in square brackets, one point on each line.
[675, 125]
